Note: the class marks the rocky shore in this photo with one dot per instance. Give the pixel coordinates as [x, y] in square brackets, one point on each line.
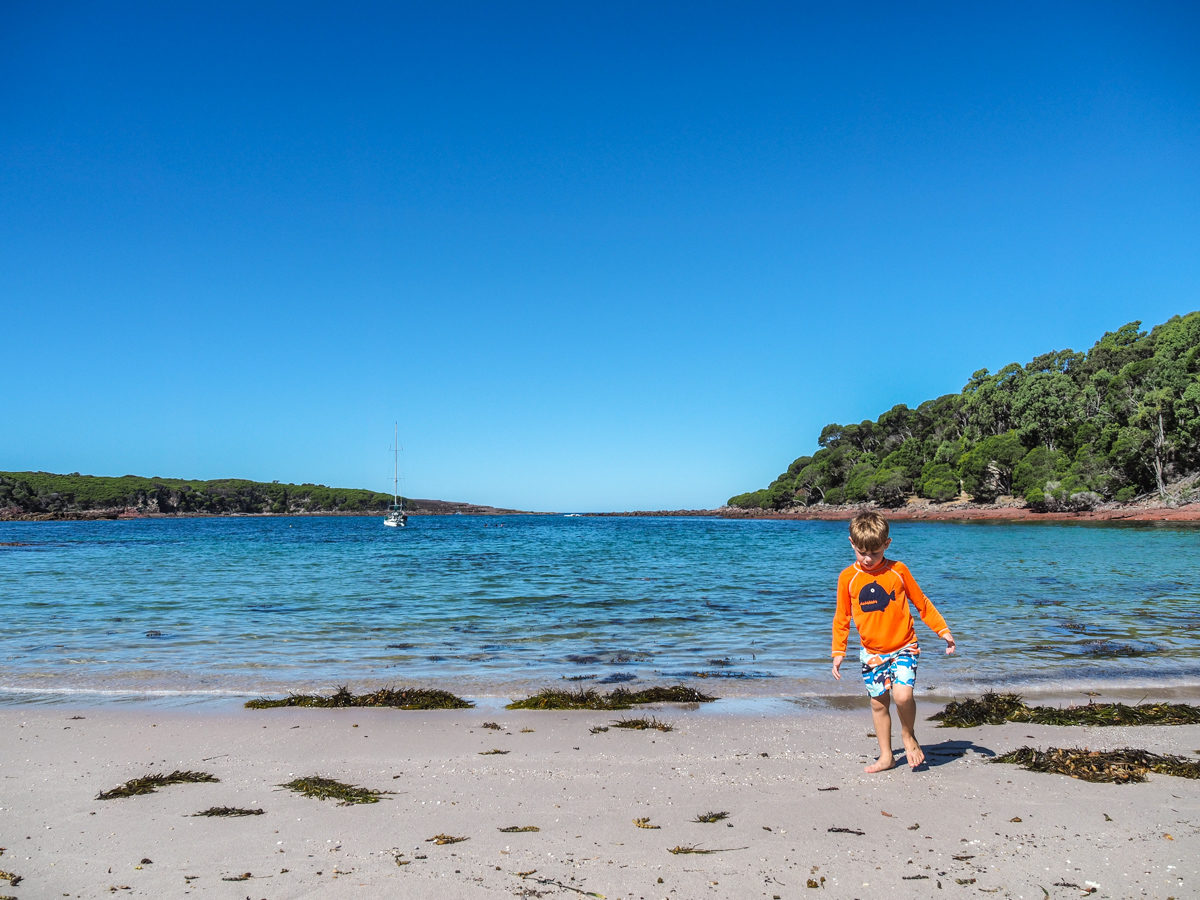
[955, 511]
[964, 512]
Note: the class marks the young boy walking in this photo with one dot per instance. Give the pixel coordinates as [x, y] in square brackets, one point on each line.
[875, 593]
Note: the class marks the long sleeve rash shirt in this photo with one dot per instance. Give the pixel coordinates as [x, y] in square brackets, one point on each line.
[877, 601]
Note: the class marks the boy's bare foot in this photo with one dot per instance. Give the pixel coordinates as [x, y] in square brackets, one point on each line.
[914, 754]
[880, 765]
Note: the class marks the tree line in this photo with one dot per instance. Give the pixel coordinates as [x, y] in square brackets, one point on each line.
[1066, 430]
[44, 492]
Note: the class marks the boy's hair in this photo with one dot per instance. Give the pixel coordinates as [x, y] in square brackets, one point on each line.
[868, 531]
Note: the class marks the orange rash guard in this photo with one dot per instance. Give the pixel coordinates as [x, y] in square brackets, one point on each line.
[877, 600]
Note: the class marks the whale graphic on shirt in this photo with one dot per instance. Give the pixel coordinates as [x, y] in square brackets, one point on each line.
[873, 598]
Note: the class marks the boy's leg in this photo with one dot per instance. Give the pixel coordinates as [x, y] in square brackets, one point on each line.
[906, 709]
[881, 714]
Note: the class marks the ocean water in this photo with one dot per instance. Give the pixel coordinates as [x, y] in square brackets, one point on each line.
[500, 606]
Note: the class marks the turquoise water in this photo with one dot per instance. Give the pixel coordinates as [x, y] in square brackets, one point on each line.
[495, 606]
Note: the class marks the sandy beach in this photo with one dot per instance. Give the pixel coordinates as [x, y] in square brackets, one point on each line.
[803, 818]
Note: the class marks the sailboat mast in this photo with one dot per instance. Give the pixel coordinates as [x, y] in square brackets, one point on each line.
[396, 471]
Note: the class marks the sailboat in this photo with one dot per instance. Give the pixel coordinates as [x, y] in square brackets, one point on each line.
[396, 517]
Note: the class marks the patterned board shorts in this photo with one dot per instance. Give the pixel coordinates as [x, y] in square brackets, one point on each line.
[882, 670]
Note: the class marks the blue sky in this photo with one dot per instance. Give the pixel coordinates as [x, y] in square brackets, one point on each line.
[589, 256]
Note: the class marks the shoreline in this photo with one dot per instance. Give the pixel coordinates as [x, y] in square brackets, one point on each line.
[128, 514]
[954, 511]
[999, 513]
[830, 696]
[801, 813]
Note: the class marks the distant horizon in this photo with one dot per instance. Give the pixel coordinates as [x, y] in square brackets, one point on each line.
[589, 258]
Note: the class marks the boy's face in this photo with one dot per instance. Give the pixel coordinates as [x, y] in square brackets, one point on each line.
[869, 559]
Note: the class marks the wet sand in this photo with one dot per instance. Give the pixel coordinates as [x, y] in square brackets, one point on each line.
[804, 820]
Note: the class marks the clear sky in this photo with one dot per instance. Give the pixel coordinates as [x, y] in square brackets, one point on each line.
[590, 256]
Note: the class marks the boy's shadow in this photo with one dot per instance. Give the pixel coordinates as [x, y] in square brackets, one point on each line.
[947, 751]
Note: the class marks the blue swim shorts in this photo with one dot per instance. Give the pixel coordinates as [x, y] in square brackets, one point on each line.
[882, 670]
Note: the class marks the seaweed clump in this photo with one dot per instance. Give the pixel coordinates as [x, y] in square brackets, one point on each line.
[990, 709]
[710, 818]
[1107, 766]
[148, 784]
[402, 698]
[996, 709]
[230, 811]
[697, 849]
[620, 698]
[643, 724]
[329, 789]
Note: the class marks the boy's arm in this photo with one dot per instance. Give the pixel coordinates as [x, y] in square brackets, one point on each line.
[925, 608]
[841, 624]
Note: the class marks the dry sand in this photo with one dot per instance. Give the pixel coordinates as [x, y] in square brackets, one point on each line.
[788, 777]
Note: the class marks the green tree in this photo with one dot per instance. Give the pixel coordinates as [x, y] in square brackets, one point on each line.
[889, 486]
[987, 400]
[1044, 406]
[987, 468]
[858, 482]
[749, 500]
[909, 458]
[938, 482]
[1038, 468]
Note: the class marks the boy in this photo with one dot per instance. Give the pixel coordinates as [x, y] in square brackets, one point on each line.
[875, 592]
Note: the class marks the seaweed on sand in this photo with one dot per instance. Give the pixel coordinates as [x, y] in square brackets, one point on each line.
[996, 709]
[1112, 766]
[402, 698]
[990, 709]
[553, 698]
[519, 829]
[710, 818]
[620, 698]
[676, 694]
[643, 724]
[696, 849]
[229, 811]
[550, 881]
[148, 784]
[329, 789]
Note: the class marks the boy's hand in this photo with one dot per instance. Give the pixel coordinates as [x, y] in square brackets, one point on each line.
[837, 664]
[950, 645]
